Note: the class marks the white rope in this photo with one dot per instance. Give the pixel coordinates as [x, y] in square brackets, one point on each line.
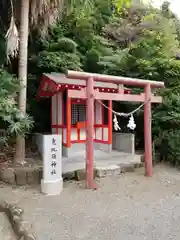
[131, 124]
[124, 114]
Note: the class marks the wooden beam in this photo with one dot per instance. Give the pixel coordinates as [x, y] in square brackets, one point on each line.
[118, 97]
[114, 79]
[81, 94]
[154, 99]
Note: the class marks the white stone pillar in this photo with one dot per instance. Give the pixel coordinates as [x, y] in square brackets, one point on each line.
[52, 182]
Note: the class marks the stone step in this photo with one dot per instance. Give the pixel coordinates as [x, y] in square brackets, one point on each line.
[6, 231]
[123, 158]
[73, 164]
[99, 156]
[101, 169]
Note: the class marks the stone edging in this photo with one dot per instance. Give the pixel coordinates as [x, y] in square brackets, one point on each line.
[99, 172]
[30, 176]
[21, 175]
[21, 228]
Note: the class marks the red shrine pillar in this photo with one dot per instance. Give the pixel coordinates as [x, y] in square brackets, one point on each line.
[110, 121]
[68, 121]
[90, 134]
[147, 131]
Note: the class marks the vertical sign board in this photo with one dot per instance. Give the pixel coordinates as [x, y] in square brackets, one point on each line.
[52, 182]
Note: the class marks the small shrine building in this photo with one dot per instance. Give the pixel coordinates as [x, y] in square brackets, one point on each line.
[78, 111]
[68, 116]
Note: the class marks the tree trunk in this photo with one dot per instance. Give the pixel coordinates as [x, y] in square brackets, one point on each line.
[22, 72]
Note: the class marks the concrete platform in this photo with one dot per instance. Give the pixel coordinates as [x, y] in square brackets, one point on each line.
[105, 163]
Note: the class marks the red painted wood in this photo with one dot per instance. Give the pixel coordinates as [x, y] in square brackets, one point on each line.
[102, 130]
[110, 128]
[114, 96]
[121, 89]
[100, 141]
[78, 141]
[78, 93]
[68, 121]
[154, 99]
[81, 124]
[78, 101]
[79, 134]
[100, 125]
[84, 140]
[89, 135]
[148, 132]
[95, 102]
[51, 116]
[74, 126]
[63, 116]
[114, 79]
[58, 126]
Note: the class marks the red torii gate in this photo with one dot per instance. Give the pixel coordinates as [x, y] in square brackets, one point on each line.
[90, 94]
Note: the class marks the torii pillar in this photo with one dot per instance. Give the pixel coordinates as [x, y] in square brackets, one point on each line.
[89, 136]
[148, 131]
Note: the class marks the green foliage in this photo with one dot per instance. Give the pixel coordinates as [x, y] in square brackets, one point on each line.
[121, 38]
[119, 4]
[10, 116]
[57, 55]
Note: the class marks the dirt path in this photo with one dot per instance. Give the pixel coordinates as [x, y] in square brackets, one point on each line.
[128, 207]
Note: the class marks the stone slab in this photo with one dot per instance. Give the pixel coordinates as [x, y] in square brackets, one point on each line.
[109, 170]
[127, 167]
[100, 159]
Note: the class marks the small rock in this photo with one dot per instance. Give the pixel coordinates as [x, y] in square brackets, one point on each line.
[129, 167]
[16, 219]
[24, 226]
[80, 175]
[69, 175]
[28, 236]
[16, 211]
[138, 165]
[108, 171]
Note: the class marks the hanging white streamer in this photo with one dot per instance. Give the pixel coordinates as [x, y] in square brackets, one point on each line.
[116, 124]
[131, 123]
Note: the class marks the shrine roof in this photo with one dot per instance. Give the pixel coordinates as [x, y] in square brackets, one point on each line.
[51, 83]
[59, 78]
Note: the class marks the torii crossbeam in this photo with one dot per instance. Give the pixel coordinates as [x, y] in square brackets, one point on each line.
[91, 94]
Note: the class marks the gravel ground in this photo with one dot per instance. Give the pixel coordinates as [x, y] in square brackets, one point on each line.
[127, 207]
